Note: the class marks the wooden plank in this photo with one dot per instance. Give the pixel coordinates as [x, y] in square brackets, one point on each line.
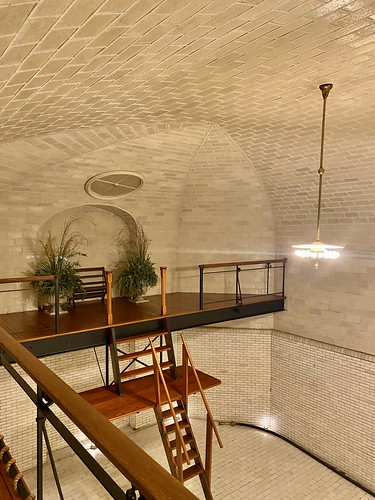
[33, 325]
[144, 352]
[6, 490]
[139, 394]
[144, 369]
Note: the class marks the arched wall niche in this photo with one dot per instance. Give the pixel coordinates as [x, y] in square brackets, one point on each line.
[100, 225]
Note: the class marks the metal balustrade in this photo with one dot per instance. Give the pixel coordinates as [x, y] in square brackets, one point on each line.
[267, 286]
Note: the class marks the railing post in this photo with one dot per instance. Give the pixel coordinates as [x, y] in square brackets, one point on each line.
[238, 286]
[156, 383]
[283, 289]
[201, 273]
[57, 305]
[39, 444]
[163, 282]
[185, 370]
[208, 456]
[109, 279]
[180, 474]
[268, 277]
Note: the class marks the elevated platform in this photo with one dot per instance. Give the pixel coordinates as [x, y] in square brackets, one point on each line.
[139, 394]
[85, 325]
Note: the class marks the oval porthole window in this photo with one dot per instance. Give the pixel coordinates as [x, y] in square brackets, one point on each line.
[112, 185]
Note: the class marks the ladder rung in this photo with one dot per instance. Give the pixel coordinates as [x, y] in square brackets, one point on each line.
[168, 413]
[187, 439]
[192, 456]
[144, 336]
[145, 369]
[145, 352]
[192, 471]
[172, 427]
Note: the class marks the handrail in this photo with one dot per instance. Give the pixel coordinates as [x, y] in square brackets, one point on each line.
[150, 478]
[208, 410]
[238, 267]
[23, 279]
[242, 263]
[28, 279]
[159, 373]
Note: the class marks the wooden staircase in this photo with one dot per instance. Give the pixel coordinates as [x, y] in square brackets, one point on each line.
[184, 460]
[124, 364]
[172, 417]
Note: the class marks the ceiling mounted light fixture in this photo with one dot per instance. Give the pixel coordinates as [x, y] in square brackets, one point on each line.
[113, 185]
[318, 249]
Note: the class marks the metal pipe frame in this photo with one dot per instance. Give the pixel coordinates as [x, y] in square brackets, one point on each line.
[43, 413]
[267, 265]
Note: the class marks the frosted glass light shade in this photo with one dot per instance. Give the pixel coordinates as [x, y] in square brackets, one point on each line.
[317, 250]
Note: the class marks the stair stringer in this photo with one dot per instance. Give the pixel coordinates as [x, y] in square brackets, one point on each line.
[169, 446]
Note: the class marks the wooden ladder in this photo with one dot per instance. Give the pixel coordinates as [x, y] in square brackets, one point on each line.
[175, 428]
[180, 446]
[124, 363]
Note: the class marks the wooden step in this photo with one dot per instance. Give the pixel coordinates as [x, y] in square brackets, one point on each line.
[150, 335]
[191, 453]
[172, 427]
[192, 471]
[188, 438]
[168, 413]
[144, 352]
[145, 369]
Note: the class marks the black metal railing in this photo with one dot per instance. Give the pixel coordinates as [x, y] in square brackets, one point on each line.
[266, 285]
[29, 279]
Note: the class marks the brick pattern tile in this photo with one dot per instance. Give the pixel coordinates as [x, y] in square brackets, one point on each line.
[314, 393]
[249, 67]
[252, 465]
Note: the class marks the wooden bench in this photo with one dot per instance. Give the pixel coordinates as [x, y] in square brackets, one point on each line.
[94, 284]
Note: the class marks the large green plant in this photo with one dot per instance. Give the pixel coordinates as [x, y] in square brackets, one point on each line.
[137, 272]
[57, 255]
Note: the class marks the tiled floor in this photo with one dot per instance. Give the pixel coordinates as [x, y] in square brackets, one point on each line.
[253, 465]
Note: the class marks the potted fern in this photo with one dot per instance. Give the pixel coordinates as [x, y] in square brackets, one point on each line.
[136, 271]
[57, 255]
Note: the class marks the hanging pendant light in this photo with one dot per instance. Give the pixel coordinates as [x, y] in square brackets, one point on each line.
[318, 249]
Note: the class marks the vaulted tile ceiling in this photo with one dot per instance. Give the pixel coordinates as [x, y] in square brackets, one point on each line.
[73, 70]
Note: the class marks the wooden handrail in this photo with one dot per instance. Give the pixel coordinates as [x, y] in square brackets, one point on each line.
[109, 279]
[25, 279]
[160, 374]
[245, 263]
[150, 478]
[209, 413]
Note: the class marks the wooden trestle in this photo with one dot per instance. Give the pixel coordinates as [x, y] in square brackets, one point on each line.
[156, 382]
[139, 394]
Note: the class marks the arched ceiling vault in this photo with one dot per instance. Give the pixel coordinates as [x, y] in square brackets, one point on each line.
[78, 76]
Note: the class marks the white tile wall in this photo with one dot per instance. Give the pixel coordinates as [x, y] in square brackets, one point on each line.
[323, 398]
[336, 302]
[318, 395]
